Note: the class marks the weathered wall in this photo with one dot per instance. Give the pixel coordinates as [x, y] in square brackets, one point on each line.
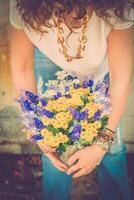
[11, 138]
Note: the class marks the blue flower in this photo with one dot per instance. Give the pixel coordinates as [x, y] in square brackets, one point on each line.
[43, 102]
[75, 134]
[67, 95]
[36, 137]
[28, 106]
[38, 124]
[97, 88]
[76, 86]
[47, 113]
[77, 128]
[79, 115]
[67, 88]
[58, 95]
[75, 113]
[83, 115]
[107, 90]
[32, 97]
[97, 115]
[90, 83]
[85, 84]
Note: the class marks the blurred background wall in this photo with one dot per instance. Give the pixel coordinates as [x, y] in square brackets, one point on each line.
[12, 140]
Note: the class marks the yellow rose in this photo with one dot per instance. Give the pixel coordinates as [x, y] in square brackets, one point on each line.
[98, 124]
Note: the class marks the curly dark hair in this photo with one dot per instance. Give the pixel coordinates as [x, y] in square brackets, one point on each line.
[37, 13]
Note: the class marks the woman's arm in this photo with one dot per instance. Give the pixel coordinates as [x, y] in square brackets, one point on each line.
[120, 62]
[22, 67]
[21, 61]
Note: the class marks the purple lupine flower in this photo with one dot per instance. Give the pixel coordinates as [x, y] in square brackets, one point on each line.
[107, 90]
[52, 87]
[58, 95]
[79, 115]
[106, 105]
[67, 95]
[74, 112]
[90, 83]
[47, 113]
[77, 128]
[97, 88]
[43, 102]
[36, 137]
[26, 105]
[84, 115]
[38, 124]
[29, 126]
[85, 84]
[97, 115]
[99, 85]
[75, 134]
[67, 88]
[76, 85]
[32, 97]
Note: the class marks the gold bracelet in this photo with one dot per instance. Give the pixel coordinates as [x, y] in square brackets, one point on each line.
[105, 139]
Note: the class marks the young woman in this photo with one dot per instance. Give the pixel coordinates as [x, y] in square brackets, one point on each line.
[83, 37]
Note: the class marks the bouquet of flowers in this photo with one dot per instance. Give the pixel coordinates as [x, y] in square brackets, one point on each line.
[69, 115]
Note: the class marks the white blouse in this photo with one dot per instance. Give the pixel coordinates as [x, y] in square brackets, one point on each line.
[95, 58]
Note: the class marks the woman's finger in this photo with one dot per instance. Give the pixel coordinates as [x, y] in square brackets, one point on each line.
[81, 172]
[54, 158]
[73, 158]
[58, 167]
[90, 170]
[73, 168]
[45, 148]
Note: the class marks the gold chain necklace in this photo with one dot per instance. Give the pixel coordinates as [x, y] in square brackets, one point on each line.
[82, 41]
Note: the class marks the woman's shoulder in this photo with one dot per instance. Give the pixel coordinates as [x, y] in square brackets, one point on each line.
[116, 22]
[112, 22]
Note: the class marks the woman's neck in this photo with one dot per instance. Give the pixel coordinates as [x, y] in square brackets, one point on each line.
[76, 23]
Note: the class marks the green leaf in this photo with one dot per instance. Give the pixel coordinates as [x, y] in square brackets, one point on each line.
[104, 121]
[75, 122]
[84, 99]
[70, 129]
[70, 123]
[61, 148]
[52, 129]
[84, 142]
[78, 144]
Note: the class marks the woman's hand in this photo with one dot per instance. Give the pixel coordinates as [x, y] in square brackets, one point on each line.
[56, 161]
[87, 159]
[45, 148]
[52, 155]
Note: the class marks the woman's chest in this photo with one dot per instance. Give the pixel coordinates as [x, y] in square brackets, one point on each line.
[93, 55]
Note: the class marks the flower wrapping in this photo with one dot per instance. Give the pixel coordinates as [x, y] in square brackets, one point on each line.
[69, 115]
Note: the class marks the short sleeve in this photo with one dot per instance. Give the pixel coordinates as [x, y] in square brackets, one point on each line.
[14, 17]
[117, 23]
